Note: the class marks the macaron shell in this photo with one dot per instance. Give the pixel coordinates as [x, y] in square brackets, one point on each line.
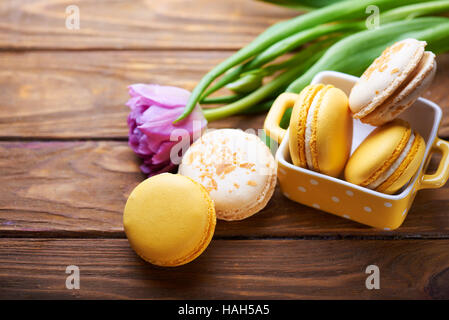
[164, 225]
[412, 88]
[408, 169]
[377, 152]
[236, 168]
[385, 75]
[298, 121]
[331, 132]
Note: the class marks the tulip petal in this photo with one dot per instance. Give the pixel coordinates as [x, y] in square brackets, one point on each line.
[152, 133]
[166, 96]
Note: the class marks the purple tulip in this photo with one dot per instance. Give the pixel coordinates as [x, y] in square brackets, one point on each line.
[152, 134]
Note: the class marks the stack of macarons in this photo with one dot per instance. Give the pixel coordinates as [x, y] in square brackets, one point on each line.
[391, 155]
[228, 174]
[320, 132]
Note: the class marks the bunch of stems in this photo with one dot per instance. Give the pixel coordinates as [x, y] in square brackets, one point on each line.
[330, 38]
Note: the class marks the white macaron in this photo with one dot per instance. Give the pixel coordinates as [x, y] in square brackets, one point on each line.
[393, 82]
[237, 169]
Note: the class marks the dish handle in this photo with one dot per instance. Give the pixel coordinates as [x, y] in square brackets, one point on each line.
[272, 121]
[440, 177]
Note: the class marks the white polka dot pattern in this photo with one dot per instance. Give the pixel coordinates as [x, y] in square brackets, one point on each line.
[335, 199]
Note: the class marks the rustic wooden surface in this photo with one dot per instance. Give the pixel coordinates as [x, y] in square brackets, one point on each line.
[66, 169]
[268, 269]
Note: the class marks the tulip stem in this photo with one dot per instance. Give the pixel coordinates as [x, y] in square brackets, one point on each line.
[263, 92]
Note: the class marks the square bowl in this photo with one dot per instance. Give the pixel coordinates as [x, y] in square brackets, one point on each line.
[350, 201]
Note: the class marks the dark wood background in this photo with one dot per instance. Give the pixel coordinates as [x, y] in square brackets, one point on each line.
[66, 169]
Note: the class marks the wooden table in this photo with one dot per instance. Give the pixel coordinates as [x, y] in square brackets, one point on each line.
[66, 169]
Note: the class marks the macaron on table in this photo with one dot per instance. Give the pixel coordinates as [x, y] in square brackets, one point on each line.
[167, 230]
[236, 168]
[302, 220]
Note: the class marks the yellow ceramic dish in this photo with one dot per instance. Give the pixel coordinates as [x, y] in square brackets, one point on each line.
[354, 202]
[320, 132]
[169, 219]
[387, 159]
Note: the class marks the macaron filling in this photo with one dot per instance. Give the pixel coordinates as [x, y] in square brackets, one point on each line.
[309, 135]
[388, 173]
[310, 132]
[306, 98]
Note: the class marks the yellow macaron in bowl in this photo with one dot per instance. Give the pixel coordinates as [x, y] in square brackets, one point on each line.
[169, 219]
[385, 209]
[387, 159]
[320, 130]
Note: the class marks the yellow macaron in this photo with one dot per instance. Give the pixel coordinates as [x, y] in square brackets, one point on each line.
[387, 159]
[321, 129]
[169, 219]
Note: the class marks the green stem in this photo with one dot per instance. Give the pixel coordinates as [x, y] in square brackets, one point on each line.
[260, 94]
[258, 108]
[292, 62]
[222, 99]
[338, 11]
[228, 77]
[298, 39]
[353, 54]
[301, 55]
[414, 10]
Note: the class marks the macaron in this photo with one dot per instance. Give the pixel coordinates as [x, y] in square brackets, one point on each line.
[393, 82]
[236, 168]
[320, 135]
[169, 219]
[387, 159]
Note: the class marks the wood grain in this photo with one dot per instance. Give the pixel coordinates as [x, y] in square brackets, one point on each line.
[79, 189]
[72, 95]
[67, 95]
[136, 24]
[251, 269]
[66, 170]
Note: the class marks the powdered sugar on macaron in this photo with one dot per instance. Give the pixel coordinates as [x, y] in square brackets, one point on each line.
[393, 82]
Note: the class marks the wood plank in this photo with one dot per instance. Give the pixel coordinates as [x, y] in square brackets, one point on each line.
[79, 189]
[228, 269]
[138, 24]
[67, 95]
